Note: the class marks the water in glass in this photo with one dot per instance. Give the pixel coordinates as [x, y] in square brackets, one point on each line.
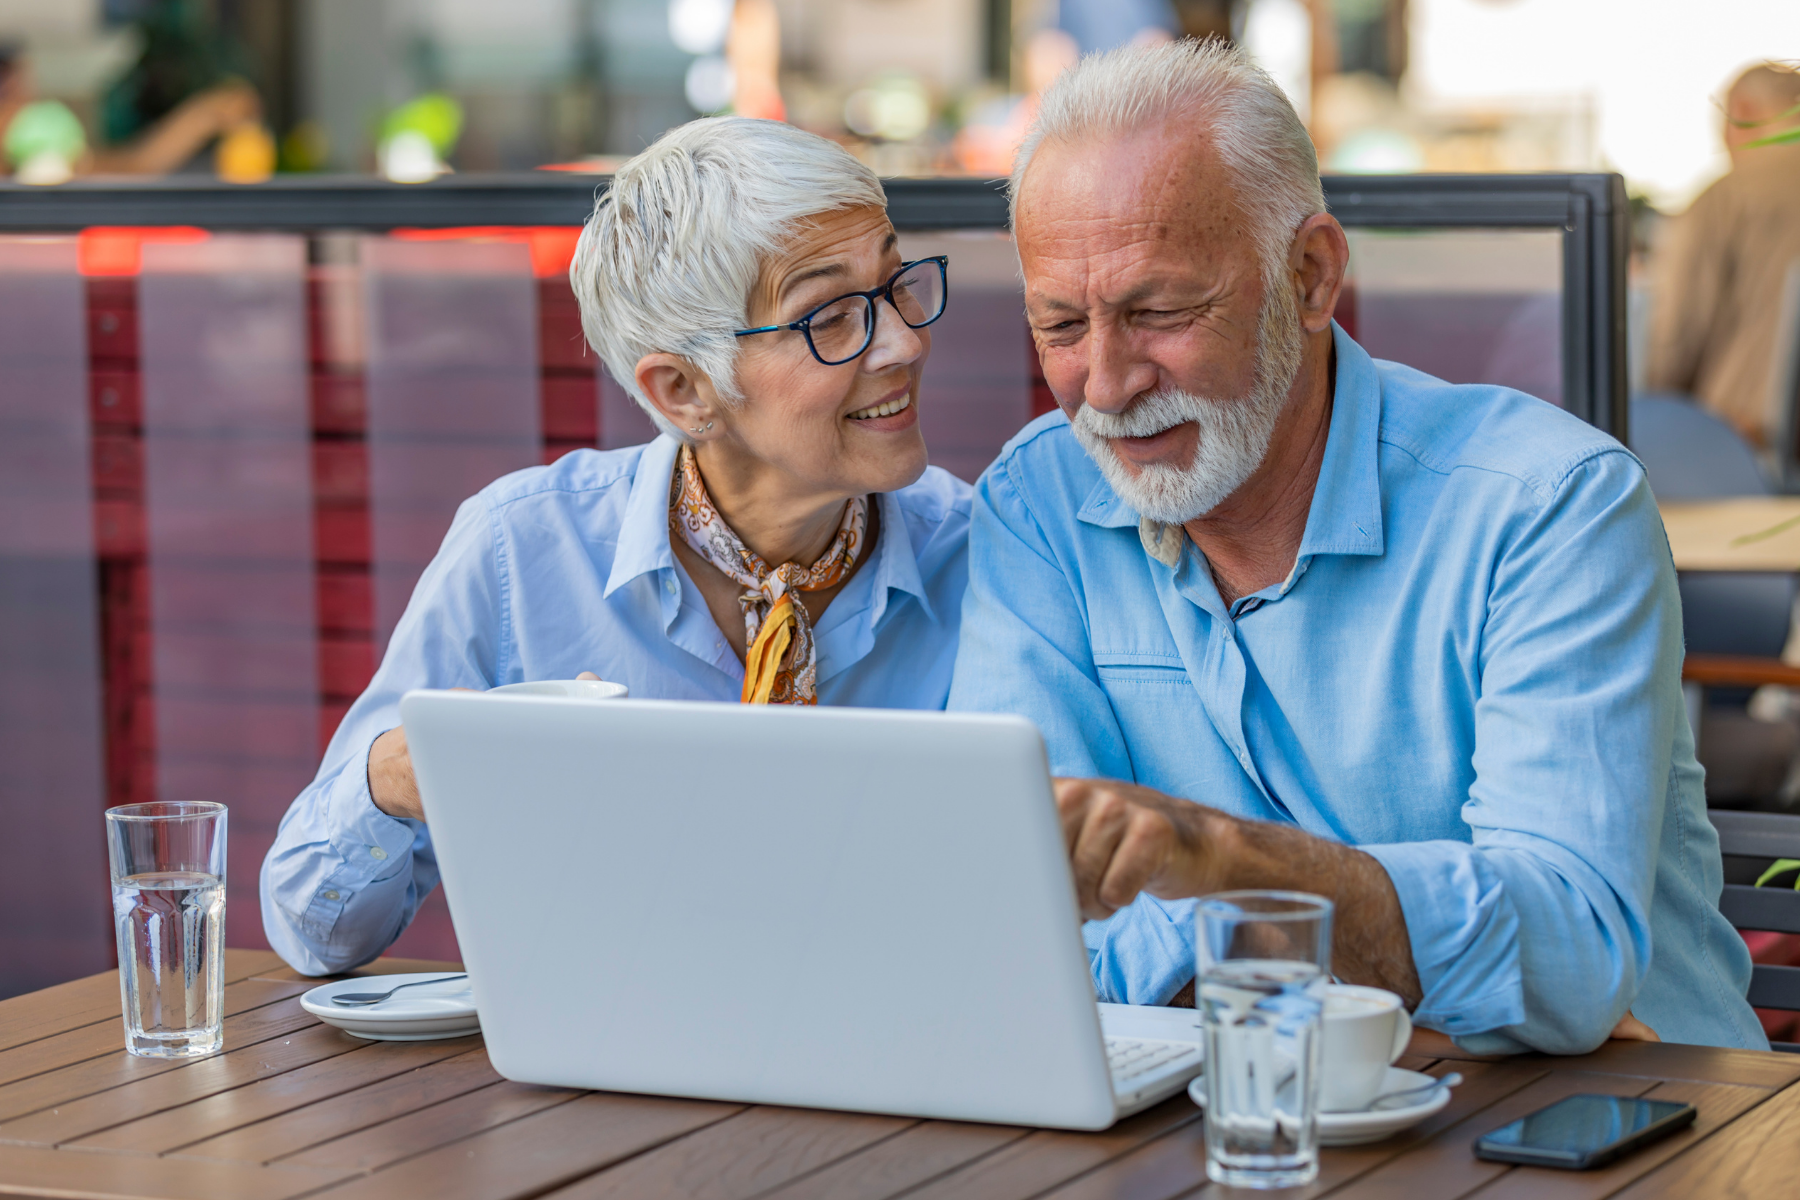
[171, 930]
[1262, 1020]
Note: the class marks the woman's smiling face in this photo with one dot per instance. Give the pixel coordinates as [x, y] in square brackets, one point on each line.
[849, 429]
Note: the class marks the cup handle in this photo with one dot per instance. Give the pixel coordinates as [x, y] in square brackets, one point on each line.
[1403, 1029]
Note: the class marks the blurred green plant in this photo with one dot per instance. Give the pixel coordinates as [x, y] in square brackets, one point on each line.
[1781, 867]
[44, 141]
[434, 116]
[1785, 136]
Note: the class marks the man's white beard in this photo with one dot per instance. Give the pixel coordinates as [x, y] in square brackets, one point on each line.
[1234, 434]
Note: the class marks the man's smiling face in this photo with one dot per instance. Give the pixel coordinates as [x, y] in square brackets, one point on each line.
[1152, 313]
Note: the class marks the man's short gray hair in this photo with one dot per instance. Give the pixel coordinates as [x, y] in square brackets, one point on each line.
[675, 246]
[1257, 134]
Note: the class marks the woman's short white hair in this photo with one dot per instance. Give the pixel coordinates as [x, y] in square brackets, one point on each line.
[674, 247]
[1246, 115]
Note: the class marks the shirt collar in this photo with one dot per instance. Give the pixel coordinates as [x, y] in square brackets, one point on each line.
[897, 561]
[1345, 517]
[643, 544]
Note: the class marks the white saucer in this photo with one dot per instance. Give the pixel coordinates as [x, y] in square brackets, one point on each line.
[418, 1014]
[1357, 1128]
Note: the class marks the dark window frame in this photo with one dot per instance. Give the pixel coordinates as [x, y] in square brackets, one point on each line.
[1590, 209]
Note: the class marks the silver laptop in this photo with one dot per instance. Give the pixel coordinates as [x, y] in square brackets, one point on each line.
[860, 909]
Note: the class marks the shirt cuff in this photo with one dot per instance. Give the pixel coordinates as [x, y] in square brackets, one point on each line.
[1464, 932]
[370, 843]
[1144, 953]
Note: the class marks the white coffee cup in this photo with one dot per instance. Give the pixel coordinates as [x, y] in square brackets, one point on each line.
[1366, 1029]
[574, 689]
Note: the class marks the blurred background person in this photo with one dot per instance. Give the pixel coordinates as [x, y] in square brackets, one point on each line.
[1721, 266]
[45, 142]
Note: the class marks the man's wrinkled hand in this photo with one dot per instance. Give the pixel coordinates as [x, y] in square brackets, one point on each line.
[1124, 839]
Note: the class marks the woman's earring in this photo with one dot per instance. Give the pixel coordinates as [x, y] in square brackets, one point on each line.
[698, 429]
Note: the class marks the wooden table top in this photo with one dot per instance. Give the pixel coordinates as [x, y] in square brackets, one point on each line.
[292, 1107]
[1742, 533]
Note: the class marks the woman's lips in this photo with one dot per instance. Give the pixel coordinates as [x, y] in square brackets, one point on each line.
[897, 412]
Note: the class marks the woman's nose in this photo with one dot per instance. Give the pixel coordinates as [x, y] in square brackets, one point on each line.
[894, 343]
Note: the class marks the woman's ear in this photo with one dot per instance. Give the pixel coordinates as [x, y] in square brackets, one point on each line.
[680, 392]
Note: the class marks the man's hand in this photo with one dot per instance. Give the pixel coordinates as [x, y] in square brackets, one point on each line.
[1124, 839]
[391, 783]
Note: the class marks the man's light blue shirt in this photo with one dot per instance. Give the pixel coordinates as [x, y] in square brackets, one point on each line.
[567, 568]
[1472, 673]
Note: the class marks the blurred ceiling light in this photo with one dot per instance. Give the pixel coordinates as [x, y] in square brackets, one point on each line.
[700, 27]
[710, 84]
[894, 108]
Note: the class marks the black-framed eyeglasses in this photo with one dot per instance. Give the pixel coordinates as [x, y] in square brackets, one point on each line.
[841, 329]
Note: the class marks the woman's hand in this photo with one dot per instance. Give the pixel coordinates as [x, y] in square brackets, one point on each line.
[391, 783]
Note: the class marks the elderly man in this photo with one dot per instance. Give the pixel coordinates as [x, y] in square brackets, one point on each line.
[1343, 627]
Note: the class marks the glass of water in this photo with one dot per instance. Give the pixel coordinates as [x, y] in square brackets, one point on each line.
[168, 885]
[1264, 960]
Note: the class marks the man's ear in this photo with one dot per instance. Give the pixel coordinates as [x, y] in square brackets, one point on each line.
[680, 392]
[1320, 258]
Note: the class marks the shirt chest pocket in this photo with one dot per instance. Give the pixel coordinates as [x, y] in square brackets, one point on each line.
[1145, 686]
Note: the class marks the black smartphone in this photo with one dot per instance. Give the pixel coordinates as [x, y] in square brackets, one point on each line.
[1578, 1132]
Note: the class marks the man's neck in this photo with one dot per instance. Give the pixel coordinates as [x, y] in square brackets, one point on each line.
[766, 511]
[1252, 539]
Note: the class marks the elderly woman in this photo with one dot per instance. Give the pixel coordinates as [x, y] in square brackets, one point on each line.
[783, 541]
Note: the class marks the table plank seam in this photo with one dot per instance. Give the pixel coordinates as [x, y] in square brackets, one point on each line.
[806, 1174]
[411, 1112]
[119, 1049]
[171, 1107]
[1703, 1139]
[541, 1190]
[388, 1166]
[325, 1099]
[1398, 1152]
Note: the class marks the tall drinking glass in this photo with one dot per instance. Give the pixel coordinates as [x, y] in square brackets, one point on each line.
[1264, 961]
[168, 884]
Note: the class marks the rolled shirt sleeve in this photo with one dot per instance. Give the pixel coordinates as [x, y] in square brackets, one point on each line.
[343, 879]
[1537, 934]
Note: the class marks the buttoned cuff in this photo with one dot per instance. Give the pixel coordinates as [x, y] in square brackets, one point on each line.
[1464, 932]
[368, 844]
[1144, 953]
[371, 843]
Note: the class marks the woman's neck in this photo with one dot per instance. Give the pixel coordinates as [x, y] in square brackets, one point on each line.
[769, 515]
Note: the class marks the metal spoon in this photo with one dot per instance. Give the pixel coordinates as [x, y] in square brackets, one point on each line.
[354, 999]
[1386, 1102]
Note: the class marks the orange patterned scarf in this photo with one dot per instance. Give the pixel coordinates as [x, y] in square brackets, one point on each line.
[782, 664]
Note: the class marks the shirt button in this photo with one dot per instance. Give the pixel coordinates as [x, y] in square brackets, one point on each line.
[331, 895]
[672, 586]
[377, 852]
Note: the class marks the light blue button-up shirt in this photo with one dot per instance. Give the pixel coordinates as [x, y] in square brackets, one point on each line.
[567, 568]
[1472, 673]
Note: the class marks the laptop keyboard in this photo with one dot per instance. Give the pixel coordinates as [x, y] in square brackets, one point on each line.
[1131, 1057]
